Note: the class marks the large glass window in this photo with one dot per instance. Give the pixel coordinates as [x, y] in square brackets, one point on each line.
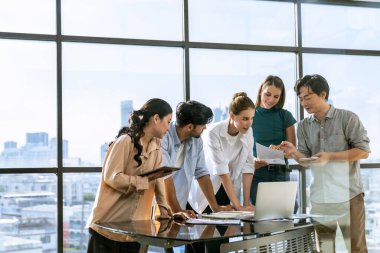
[352, 81]
[352, 86]
[79, 191]
[138, 53]
[340, 27]
[143, 19]
[242, 22]
[102, 84]
[28, 80]
[370, 179]
[28, 213]
[225, 72]
[28, 16]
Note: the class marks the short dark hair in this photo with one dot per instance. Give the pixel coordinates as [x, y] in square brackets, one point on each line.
[193, 112]
[316, 83]
[276, 82]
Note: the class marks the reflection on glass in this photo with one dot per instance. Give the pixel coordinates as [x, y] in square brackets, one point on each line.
[79, 192]
[371, 179]
[28, 104]
[147, 19]
[242, 22]
[103, 83]
[352, 81]
[28, 213]
[225, 72]
[340, 27]
[371, 186]
[27, 16]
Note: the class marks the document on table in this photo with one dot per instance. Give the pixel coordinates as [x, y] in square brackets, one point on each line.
[271, 156]
[202, 221]
[227, 215]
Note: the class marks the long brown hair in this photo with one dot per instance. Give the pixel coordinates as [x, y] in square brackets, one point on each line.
[276, 82]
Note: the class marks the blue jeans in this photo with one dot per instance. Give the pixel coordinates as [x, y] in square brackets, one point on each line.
[264, 175]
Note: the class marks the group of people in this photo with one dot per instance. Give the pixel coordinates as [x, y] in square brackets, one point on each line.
[220, 162]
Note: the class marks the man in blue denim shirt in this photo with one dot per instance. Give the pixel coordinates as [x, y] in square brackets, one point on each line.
[182, 147]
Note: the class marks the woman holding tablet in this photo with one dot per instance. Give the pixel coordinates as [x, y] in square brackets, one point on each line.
[124, 194]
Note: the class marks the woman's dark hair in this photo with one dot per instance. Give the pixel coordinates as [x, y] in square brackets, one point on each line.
[138, 120]
[316, 83]
[240, 102]
[276, 82]
[193, 112]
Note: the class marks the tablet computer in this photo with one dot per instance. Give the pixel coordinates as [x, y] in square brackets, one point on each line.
[163, 169]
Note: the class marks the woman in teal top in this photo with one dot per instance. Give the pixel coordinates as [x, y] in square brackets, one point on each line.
[272, 125]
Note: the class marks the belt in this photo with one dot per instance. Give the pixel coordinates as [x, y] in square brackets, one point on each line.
[278, 167]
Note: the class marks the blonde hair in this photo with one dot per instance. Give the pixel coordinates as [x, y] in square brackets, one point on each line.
[240, 102]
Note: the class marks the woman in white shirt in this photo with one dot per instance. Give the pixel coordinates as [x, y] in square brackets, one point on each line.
[229, 156]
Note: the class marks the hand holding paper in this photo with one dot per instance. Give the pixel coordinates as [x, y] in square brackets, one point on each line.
[271, 156]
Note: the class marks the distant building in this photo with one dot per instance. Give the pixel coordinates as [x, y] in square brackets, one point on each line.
[38, 151]
[220, 114]
[126, 109]
[37, 139]
[103, 151]
[20, 245]
[10, 145]
[54, 148]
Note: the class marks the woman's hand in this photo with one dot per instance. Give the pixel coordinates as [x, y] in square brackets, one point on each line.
[249, 208]
[183, 215]
[260, 163]
[165, 213]
[276, 147]
[224, 208]
[189, 213]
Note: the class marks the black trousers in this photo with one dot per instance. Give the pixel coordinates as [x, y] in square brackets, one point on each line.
[100, 244]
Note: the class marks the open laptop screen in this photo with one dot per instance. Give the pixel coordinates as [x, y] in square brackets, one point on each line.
[275, 200]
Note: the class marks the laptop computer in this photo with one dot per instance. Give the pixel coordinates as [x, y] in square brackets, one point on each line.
[275, 200]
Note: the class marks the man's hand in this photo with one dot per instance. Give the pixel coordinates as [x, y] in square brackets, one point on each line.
[323, 158]
[288, 148]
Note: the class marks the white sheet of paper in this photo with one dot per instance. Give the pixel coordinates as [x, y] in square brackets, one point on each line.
[212, 221]
[271, 156]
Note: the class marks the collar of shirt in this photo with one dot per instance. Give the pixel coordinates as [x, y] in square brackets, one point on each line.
[176, 141]
[329, 114]
[153, 145]
[224, 133]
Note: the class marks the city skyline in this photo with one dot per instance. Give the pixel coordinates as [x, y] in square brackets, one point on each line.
[39, 150]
